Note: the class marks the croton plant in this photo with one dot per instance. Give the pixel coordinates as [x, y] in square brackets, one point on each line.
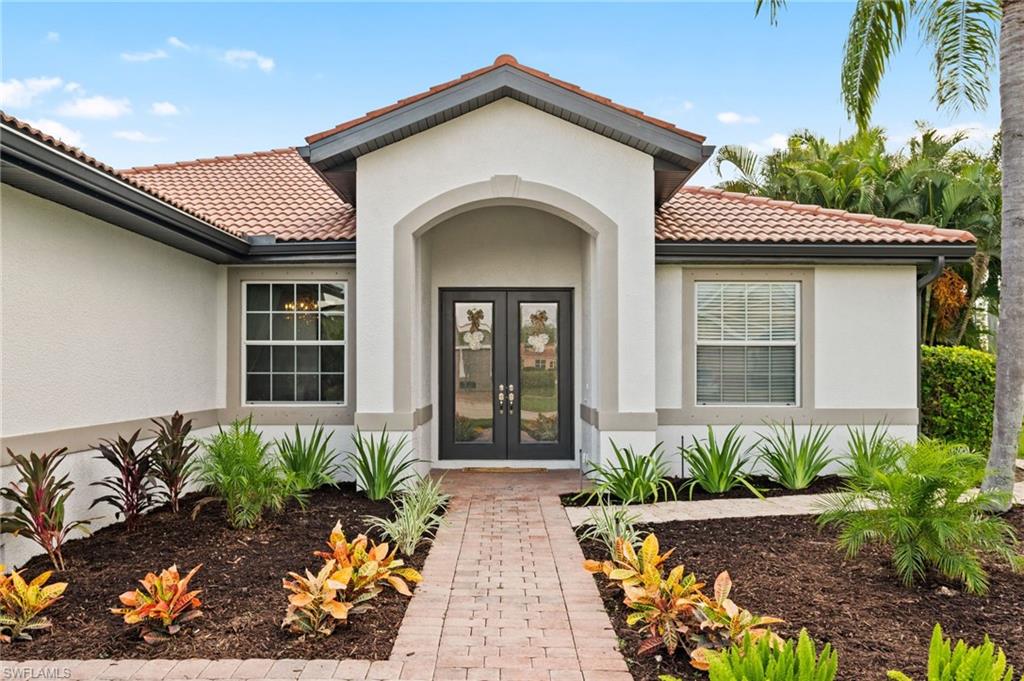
[162, 605]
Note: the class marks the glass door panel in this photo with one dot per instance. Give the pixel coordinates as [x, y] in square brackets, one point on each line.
[538, 372]
[474, 372]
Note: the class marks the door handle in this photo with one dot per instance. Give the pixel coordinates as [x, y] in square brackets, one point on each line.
[511, 396]
[501, 398]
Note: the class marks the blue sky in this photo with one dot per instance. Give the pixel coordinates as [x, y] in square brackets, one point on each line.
[136, 84]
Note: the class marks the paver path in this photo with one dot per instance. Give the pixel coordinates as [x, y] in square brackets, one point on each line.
[504, 598]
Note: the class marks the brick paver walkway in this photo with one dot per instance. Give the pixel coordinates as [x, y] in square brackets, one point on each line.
[504, 598]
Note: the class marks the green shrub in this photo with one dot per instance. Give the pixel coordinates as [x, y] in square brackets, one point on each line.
[417, 515]
[795, 461]
[717, 467]
[632, 477]
[761, 661]
[963, 662]
[927, 512]
[307, 463]
[238, 470]
[608, 524]
[957, 393]
[380, 467]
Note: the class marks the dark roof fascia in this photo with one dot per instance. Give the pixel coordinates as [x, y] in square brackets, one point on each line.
[303, 252]
[846, 253]
[39, 169]
[505, 81]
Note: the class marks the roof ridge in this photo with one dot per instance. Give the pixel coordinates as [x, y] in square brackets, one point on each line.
[838, 213]
[210, 160]
[512, 62]
[76, 153]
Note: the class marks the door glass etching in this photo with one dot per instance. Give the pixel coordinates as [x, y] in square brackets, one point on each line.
[474, 372]
[538, 372]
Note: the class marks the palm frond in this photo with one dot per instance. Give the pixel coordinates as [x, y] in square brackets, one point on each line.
[774, 7]
[877, 30]
[963, 34]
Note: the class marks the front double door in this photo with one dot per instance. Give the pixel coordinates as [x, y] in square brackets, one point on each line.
[506, 374]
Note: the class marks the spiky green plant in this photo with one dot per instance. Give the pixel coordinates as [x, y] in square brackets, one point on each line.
[717, 467]
[609, 523]
[795, 461]
[929, 514]
[307, 462]
[631, 477]
[238, 469]
[761, 661]
[418, 514]
[962, 662]
[380, 466]
[869, 452]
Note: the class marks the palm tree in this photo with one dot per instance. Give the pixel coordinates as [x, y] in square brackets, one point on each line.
[964, 38]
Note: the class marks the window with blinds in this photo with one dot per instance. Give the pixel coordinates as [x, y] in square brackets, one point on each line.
[747, 342]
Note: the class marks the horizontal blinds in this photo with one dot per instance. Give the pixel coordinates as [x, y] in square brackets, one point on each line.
[746, 342]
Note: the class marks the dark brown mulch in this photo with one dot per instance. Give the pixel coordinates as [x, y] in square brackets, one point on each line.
[243, 602]
[764, 484]
[787, 567]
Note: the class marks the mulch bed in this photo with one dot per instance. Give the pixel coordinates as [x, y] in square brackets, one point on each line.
[243, 602]
[767, 487]
[787, 567]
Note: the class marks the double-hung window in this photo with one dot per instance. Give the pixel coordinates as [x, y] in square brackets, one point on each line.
[748, 337]
[294, 342]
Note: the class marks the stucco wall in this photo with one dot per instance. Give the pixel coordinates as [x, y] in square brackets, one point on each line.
[863, 363]
[511, 139]
[101, 325]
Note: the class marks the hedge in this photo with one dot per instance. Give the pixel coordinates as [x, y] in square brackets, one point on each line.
[958, 388]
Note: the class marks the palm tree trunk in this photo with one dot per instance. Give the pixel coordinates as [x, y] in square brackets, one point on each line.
[926, 311]
[979, 272]
[1009, 407]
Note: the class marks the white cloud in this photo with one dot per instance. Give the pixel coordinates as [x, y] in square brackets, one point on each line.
[73, 87]
[97, 107]
[144, 56]
[769, 144]
[136, 136]
[178, 43]
[243, 58]
[733, 118]
[53, 37]
[979, 136]
[163, 109]
[16, 93]
[58, 130]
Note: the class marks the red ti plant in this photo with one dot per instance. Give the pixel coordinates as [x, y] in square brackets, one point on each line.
[132, 492]
[172, 455]
[38, 497]
[162, 605]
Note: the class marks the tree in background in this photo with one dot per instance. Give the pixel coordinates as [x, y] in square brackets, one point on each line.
[967, 39]
[931, 182]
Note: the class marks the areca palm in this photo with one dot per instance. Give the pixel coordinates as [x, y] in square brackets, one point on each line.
[967, 37]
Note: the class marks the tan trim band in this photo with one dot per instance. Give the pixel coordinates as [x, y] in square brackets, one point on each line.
[752, 416]
[619, 421]
[86, 437]
[422, 415]
[377, 421]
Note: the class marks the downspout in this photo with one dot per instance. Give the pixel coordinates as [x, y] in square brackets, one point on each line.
[928, 277]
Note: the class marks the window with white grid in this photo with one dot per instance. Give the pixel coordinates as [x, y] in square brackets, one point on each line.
[748, 341]
[294, 342]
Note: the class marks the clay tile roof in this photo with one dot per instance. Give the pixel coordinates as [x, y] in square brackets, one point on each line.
[505, 60]
[184, 205]
[704, 214]
[262, 193]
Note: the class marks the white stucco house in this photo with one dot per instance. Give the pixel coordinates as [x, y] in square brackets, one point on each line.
[507, 267]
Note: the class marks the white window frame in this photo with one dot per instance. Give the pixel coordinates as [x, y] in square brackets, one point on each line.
[244, 374]
[796, 343]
